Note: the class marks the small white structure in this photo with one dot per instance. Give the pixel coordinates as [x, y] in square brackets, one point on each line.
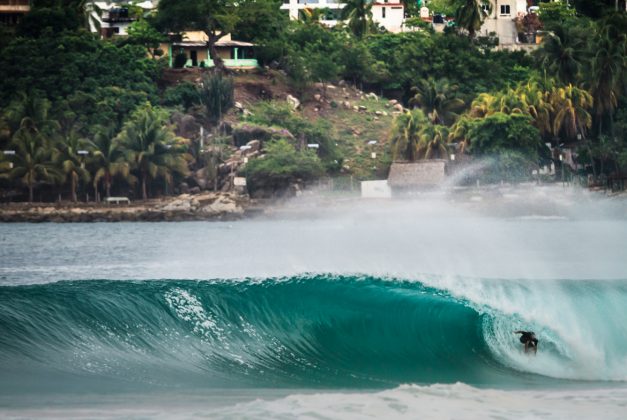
[117, 200]
[375, 189]
[501, 20]
[388, 13]
[239, 181]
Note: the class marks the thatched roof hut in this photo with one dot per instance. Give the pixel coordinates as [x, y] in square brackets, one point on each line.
[425, 174]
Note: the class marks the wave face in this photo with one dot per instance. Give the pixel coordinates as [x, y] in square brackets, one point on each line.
[310, 331]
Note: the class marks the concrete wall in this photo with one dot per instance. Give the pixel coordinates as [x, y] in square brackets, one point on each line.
[394, 15]
[375, 189]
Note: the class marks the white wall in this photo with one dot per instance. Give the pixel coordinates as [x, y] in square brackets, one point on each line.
[375, 189]
[503, 23]
[394, 15]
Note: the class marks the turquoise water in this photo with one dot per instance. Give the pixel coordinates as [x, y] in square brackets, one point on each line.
[409, 307]
[318, 331]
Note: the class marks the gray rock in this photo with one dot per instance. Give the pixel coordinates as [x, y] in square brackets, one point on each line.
[224, 204]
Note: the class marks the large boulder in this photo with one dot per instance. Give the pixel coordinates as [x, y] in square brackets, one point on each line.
[200, 178]
[224, 204]
[245, 133]
[185, 125]
[293, 101]
[182, 203]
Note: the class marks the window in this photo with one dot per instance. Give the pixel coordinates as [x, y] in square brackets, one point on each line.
[383, 12]
[505, 10]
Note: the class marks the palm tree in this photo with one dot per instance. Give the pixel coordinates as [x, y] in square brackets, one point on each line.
[107, 160]
[437, 99]
[571, 105]
[32, 162]
[471, 14]
[72, 162]
[608, 71]
[537, 102]
[406, 134]
[359, 16]
[459, 132]
[433, 142]
[152, 147]
[484, 105]
[31, 107]
[562, 53]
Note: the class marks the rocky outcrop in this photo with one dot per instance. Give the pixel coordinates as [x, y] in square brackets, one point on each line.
[244, 133]
[206, 206]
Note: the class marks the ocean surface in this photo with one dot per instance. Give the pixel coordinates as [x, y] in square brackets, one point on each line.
[367, 309]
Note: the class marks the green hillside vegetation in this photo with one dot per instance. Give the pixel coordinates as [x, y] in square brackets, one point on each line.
[80, 115]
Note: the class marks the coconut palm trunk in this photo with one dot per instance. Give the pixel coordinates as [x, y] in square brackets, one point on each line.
[74, 182]
[31, 187]
[144, 191]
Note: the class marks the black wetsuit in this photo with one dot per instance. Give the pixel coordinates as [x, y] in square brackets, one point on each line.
[529, 338]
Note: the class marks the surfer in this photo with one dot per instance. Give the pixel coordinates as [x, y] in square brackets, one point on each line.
[528, 338]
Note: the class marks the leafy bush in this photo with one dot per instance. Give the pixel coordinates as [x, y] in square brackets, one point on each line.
[281, 166]
[185, 94]
[510, 142]
[275, 114]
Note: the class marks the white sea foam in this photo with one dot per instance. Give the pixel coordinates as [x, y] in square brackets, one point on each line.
[438, 402]
[456, 401]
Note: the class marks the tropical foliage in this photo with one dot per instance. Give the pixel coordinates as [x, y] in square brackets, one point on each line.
[152, 148]
[80, 115]
[281, 165]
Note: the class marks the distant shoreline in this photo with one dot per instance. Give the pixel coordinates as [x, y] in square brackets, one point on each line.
[208, 206]
[494, 199]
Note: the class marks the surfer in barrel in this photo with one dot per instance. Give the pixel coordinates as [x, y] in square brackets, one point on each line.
[528, 338]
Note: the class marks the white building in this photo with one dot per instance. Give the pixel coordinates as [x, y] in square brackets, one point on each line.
[501, 20]
[387, 13]
[113, 18]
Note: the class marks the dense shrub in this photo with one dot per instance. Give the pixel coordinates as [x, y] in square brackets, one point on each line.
[185, 94]
[281, 166]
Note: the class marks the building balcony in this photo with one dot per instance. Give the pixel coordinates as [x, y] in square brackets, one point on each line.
[116, 16]
[231, 63]
[14, 6]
